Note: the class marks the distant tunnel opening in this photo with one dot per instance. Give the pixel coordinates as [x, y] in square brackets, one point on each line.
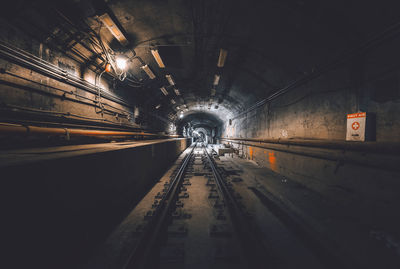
[205, 126]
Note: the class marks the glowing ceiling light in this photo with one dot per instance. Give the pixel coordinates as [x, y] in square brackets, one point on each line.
[121, 62]
[222, 57]
[113, 28]
[158, 106]
[216, 80]
[164, 91]
[148, 71]
[181, 115]
[177, 92]
[173, 101]
[177, 107]
[158, 59]
[170, 80]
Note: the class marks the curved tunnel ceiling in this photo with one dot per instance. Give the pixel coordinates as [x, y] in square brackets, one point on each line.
[270, 44]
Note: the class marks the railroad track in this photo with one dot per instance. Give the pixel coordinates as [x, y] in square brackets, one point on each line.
[141, 256]
[254, 251]
[209, 212]
[229, 219]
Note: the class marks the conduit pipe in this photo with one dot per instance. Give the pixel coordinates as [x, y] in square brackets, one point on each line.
[388, 33]
[52, 71]
[39, 65]
[353, 152]
[370, 147]
[6, 128]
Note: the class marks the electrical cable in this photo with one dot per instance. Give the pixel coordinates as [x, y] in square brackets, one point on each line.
[390, 32]
[97, 81]
[39, 65]
[122, 112]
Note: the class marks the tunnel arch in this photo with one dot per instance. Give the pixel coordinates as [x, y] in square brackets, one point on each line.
[203, 132]
[209, 122]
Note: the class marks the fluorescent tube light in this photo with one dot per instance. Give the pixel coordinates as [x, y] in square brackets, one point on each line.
[213, 92]
[113, 28]
[216, 80]
[173, 101]
[158, 106]
[164, 91]
[222, 57]
[148, 71]
[170, 80]
[158, 59]
[177, 92]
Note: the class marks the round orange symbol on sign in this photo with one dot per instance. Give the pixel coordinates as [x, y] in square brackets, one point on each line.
[355, 125]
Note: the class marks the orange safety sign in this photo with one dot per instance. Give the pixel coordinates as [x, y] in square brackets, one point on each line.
[356, 126]
[357, 115]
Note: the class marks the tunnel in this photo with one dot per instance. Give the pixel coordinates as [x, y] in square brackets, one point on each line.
[200, 134]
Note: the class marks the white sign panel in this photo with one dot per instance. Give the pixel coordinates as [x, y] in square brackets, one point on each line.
[356, 126]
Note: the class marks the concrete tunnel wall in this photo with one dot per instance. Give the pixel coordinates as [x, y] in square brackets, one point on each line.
[57, 210]
[29, 92]
[316, 111]
[304, 137]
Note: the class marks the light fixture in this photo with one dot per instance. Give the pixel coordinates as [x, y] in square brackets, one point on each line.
[181, 115]
[173, 101]
[177, 92]
[158, 59]
[213, 92]
[121, 62]
[158, 106]
[222, 57]
[177, 107]
[170, 80]
[216, 80]
[164, 91]
[113, 28]
[148, 71]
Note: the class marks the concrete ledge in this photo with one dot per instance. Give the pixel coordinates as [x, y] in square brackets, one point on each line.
[371, 147]
[366, 182]
[381, 156]
[58, 204]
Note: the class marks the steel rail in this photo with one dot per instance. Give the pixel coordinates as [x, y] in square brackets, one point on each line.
[140, 256]
[254, 250]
